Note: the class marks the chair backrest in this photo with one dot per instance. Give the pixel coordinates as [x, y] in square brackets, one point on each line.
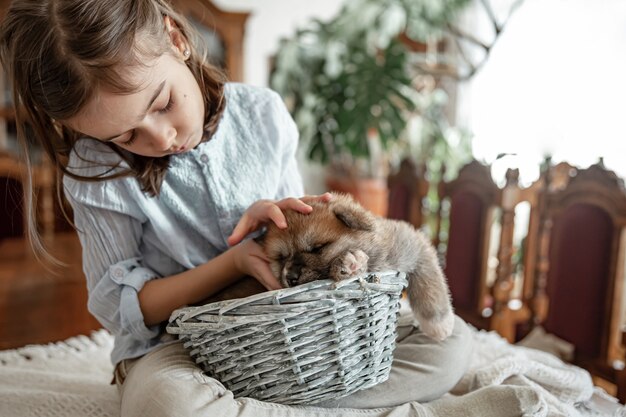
[407, 190]
[577, 292]
[559, 176]
[471, 197]
[513, 287]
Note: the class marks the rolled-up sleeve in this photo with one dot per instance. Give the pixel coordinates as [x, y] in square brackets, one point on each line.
[114, 270]
[119, 287]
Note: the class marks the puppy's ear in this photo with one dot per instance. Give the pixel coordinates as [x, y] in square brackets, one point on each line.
[355, 217]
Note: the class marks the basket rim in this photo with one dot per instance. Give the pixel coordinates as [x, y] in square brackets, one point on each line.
[390, 278]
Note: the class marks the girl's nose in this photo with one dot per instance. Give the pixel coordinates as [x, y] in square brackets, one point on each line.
[163, 137]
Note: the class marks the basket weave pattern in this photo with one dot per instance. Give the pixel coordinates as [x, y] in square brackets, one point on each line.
[311, 343]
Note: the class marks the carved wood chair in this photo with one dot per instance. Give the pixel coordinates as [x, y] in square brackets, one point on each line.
[407, 190]
[558, 176]
[511, 312]
[577, 291]
[471, 199]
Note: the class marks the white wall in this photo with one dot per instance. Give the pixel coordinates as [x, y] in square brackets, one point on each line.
[269, 21]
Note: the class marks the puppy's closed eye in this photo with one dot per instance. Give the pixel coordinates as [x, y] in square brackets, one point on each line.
[318, 248]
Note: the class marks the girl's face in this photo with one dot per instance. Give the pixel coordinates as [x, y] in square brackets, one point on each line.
[165, 116]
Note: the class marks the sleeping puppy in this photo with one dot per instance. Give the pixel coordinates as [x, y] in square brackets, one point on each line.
[341, 239]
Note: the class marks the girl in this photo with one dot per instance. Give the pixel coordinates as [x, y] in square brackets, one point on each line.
[160, 159]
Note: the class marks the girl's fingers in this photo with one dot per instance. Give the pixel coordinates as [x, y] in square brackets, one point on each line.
[266, 210]
[253, 219]
[294, 204]
[240, 231]
[322, 198]
[271, 283]
[267, 278]
[276, 215]
[233, 239]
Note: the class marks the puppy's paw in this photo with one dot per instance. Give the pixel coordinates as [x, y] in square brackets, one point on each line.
[348, 265]
[438, 329]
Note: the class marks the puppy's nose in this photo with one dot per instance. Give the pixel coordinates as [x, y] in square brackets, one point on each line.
[292, 277]
[292, 271]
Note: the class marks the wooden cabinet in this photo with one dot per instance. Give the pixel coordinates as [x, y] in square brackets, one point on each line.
[222, 31]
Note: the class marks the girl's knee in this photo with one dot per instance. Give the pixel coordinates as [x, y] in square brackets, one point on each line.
[458, 347]
[461, 339]
[456, 353]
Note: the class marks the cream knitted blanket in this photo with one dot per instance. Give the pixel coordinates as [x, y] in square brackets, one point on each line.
[72, 379]
[65, 379]
[565, 390]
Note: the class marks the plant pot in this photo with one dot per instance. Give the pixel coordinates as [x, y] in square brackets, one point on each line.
[371, 193]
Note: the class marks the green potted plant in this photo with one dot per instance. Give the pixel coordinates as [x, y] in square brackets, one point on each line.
[350, 84]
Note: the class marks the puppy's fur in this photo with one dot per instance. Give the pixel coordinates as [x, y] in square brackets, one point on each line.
[340, 239]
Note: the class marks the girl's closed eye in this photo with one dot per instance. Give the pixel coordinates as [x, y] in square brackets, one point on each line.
[130, 140]
[168, 106]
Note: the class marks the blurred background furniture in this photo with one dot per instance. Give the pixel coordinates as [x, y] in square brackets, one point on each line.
[464, 219]
[551, 179]
[579, 279]
[222, 31]
[517, 248]
[407, 193]
[12, 176]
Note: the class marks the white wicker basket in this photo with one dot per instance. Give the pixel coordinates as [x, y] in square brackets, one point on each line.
[302, 345]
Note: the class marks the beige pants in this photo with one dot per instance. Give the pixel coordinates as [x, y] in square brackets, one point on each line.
[166, 383]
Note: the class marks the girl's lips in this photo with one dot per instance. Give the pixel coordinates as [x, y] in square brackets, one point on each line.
[184, 146]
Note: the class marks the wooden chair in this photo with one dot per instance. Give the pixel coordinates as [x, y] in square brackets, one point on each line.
[577, 291]
[505, 315]
[407, 191]
[511, 312]
[553, 178]
[471, 198]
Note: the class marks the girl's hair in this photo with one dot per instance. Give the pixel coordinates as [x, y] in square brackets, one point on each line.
[59, 53]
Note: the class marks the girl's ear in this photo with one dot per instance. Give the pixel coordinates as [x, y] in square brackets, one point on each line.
[180, 45]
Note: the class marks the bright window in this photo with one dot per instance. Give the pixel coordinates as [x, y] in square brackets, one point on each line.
[555, 84]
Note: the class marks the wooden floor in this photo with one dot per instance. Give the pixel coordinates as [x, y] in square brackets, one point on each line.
[37, 305]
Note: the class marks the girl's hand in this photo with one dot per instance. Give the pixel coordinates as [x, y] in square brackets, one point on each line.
[251, 260]
[264, 211]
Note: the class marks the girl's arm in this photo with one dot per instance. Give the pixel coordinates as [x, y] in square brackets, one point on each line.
[160, 297]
